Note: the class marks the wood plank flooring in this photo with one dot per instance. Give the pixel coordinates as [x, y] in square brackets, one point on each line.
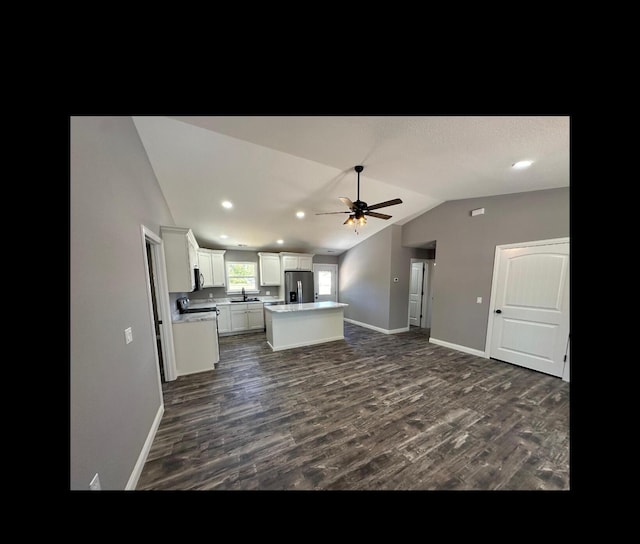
[371, 412]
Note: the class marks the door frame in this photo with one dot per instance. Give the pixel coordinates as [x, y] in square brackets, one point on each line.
[494, 282]
[335, 274]
[425, 294]
[162, 301]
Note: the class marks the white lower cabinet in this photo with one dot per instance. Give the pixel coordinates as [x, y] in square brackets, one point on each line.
[255, 317]
[239, 320]
[241, 317]
[196, 346]
[224, 319]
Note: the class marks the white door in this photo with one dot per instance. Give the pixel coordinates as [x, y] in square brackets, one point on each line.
[415, 293]
[325, 282]
[529, 322]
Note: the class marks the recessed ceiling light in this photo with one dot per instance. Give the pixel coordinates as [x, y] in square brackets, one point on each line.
[299, 215]
[522, 164]
[280, 241]
[226, 204]
[223, 236]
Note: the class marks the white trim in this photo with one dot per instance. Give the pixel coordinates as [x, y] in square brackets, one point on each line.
[494, 279]
[458, 347]
[144, 453]
[312, 343]
[162, 300]
[198, 371]
[374, 328]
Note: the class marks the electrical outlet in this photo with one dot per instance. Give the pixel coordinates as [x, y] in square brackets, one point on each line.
[128, 335]
[95, 483]
[268, 293]
[479, 300]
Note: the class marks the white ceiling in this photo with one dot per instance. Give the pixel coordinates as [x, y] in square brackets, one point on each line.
[271, 167]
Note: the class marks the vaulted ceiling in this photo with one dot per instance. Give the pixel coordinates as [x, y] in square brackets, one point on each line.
[272, 167]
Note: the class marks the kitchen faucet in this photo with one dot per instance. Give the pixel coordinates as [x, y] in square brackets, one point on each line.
[244, 297]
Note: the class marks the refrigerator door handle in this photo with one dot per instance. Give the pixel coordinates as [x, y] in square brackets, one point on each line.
[300, 299]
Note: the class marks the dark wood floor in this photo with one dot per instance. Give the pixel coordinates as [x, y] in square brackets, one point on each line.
[372, 412]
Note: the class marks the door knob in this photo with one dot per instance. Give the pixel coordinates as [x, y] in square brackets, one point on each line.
[498, 311]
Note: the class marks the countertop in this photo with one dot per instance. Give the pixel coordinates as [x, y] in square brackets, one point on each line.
[198, 316]
[305, 306]
[227, 300]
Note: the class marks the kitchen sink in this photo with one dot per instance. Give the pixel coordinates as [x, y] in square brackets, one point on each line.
[248, 300]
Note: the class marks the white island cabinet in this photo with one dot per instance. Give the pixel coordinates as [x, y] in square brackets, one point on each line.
[296, 325]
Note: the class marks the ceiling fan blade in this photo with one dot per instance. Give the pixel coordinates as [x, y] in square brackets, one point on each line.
[378, 215]
[330, 213]
[384, 204]
[347, 202]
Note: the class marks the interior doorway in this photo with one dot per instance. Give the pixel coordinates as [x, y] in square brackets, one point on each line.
[158, 296]
[157, 322]
[417, 292]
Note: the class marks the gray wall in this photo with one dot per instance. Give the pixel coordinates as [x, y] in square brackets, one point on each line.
[366, 274]
[325, 259]
[114, 394]
[401, 269]
[466, 250]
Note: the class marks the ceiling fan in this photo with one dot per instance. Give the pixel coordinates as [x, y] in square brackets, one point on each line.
[359, 209]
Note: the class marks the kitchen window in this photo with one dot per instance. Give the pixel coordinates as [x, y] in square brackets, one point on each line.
[242, 275]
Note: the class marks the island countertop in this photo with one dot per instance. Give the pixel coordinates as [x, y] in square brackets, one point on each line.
[304, 306]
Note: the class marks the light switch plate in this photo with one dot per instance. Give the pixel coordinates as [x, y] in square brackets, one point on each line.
[479, 300]
[128, 335]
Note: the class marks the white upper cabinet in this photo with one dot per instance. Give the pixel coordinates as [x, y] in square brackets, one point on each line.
[181, 257]
[269, 269]
[297, 261]
[211, 263]
[217, 263]
[206, 271]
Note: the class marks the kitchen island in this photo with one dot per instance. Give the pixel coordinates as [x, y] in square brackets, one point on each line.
[304, 324]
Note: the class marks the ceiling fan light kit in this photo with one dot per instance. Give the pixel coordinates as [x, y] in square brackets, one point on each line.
[358, 210]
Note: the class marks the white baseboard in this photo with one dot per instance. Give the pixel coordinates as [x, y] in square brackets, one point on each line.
[313, 343]
[374, 328]
[458, 347]
[144, 453]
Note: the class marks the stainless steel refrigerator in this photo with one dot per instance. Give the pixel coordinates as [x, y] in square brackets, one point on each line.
[298, 286]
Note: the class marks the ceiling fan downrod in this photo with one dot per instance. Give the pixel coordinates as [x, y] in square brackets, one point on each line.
[358, 169]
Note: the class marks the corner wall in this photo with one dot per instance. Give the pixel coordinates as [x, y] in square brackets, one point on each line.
[466, 250]
[114, 387]
[366, 274]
